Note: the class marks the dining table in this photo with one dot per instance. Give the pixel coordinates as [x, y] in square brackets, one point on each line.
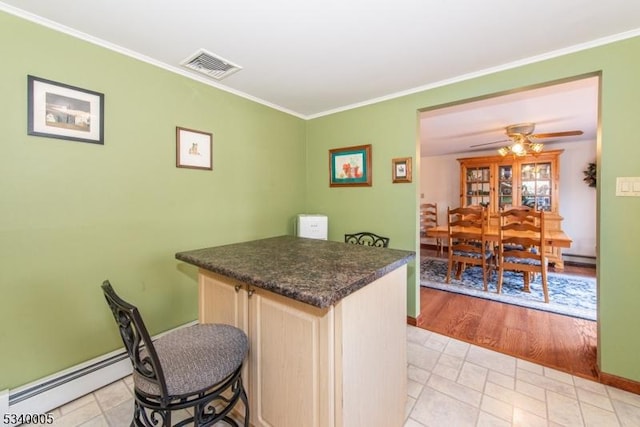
[553, 238]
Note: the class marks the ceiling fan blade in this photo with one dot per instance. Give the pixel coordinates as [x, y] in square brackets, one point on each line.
[490, 143]
[556, 134]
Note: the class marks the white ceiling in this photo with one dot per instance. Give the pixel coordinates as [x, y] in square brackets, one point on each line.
[311, 58]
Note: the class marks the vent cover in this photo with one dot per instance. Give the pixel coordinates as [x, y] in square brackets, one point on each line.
[208, 64]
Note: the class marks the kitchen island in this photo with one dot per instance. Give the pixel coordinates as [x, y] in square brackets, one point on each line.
[326, 323]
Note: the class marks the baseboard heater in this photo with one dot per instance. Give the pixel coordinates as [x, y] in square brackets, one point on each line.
[63, 387]
[578, 259]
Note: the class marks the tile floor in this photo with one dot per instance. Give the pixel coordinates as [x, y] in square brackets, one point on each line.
[450, 383]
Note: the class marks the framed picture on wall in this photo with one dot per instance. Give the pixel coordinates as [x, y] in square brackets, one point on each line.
[350, 166]
[58, 110]
[401, 169]
[193, 149]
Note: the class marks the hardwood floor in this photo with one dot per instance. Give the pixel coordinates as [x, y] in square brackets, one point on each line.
[560, 342]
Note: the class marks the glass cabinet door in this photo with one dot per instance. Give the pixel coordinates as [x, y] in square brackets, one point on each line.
[505, 186]
[478, 186]
[536, 190]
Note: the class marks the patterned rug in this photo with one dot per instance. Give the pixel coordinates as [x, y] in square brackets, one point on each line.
[569, 295]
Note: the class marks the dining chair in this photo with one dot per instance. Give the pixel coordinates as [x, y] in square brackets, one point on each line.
[366, 238]
[521, 247]
[429, 219]
[466, 227]
[197, 368]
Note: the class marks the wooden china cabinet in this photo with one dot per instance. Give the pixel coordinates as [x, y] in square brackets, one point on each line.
[498, 182]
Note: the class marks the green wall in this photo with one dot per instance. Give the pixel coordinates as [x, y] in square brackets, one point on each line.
[73, 214]
[390, 209]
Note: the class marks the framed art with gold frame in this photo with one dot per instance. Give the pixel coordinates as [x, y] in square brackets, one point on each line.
[401, 169]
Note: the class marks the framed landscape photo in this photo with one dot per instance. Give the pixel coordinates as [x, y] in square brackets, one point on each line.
[58, 110]
[350, 166]
[401, 169]
[193, 149]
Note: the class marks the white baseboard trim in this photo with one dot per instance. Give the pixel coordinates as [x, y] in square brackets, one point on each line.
[46, 394]
[4, 404]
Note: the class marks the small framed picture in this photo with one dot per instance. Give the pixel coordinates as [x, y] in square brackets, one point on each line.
[193, 149]
[350, 166]
[401, 168]
[58, 110]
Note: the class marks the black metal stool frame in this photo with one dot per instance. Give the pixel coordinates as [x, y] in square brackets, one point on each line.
[367, 239]
[156, 410]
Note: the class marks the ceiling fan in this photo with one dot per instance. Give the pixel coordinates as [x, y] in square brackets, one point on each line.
[521, 135]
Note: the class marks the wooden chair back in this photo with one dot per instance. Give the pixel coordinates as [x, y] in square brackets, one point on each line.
[429, 219]
[466, 228]
[522, 246]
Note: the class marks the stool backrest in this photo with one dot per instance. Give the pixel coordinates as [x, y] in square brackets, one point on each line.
[136, 338]
[367, 239]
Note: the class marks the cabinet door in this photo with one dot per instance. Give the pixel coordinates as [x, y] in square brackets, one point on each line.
[506, 190]
[476, 183]
[222, 300]
[292, 378]
[537, 186]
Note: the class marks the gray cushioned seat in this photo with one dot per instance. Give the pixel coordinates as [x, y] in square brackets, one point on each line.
[195, 357]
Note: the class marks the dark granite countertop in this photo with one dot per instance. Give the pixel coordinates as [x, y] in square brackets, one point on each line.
[316, 272]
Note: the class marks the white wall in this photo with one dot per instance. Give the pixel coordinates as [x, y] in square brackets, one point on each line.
[440, 183]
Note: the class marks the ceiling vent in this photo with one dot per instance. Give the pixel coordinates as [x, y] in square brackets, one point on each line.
[208, 64]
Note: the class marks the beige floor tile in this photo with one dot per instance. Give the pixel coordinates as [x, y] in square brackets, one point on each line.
[113, 395]
[435, 409]
[506, 381]
[424, 358]
[497, 408]
[597, 417]
[522, 418]
[456, 348]
[590, 385]
[75, 404]
[417, 335]
[413, 423]
[489, 420]
[559, 376]
[455, 390]
[564, 410]
[99, 421]
[595, 399]
[628, 414]
[530, 390]
[548, 383]
[79, 415]
[529, 366]
[417, 374]
[414, 389]
[492, 360]
[473, 376]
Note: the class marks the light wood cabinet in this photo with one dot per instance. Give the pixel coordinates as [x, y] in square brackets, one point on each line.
[312, 366]
[498, 182]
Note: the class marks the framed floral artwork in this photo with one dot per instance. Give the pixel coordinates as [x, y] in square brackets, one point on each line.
[350, 166]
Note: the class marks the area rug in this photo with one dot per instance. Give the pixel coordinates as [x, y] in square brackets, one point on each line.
[568, 294]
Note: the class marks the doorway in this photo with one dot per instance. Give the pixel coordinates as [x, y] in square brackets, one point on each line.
[476, 127]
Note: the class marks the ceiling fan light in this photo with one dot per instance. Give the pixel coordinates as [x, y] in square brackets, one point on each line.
[518, 149]
[537, 147]
[503, 151]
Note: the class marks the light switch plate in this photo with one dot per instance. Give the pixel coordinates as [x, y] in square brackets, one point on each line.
[628, 186]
